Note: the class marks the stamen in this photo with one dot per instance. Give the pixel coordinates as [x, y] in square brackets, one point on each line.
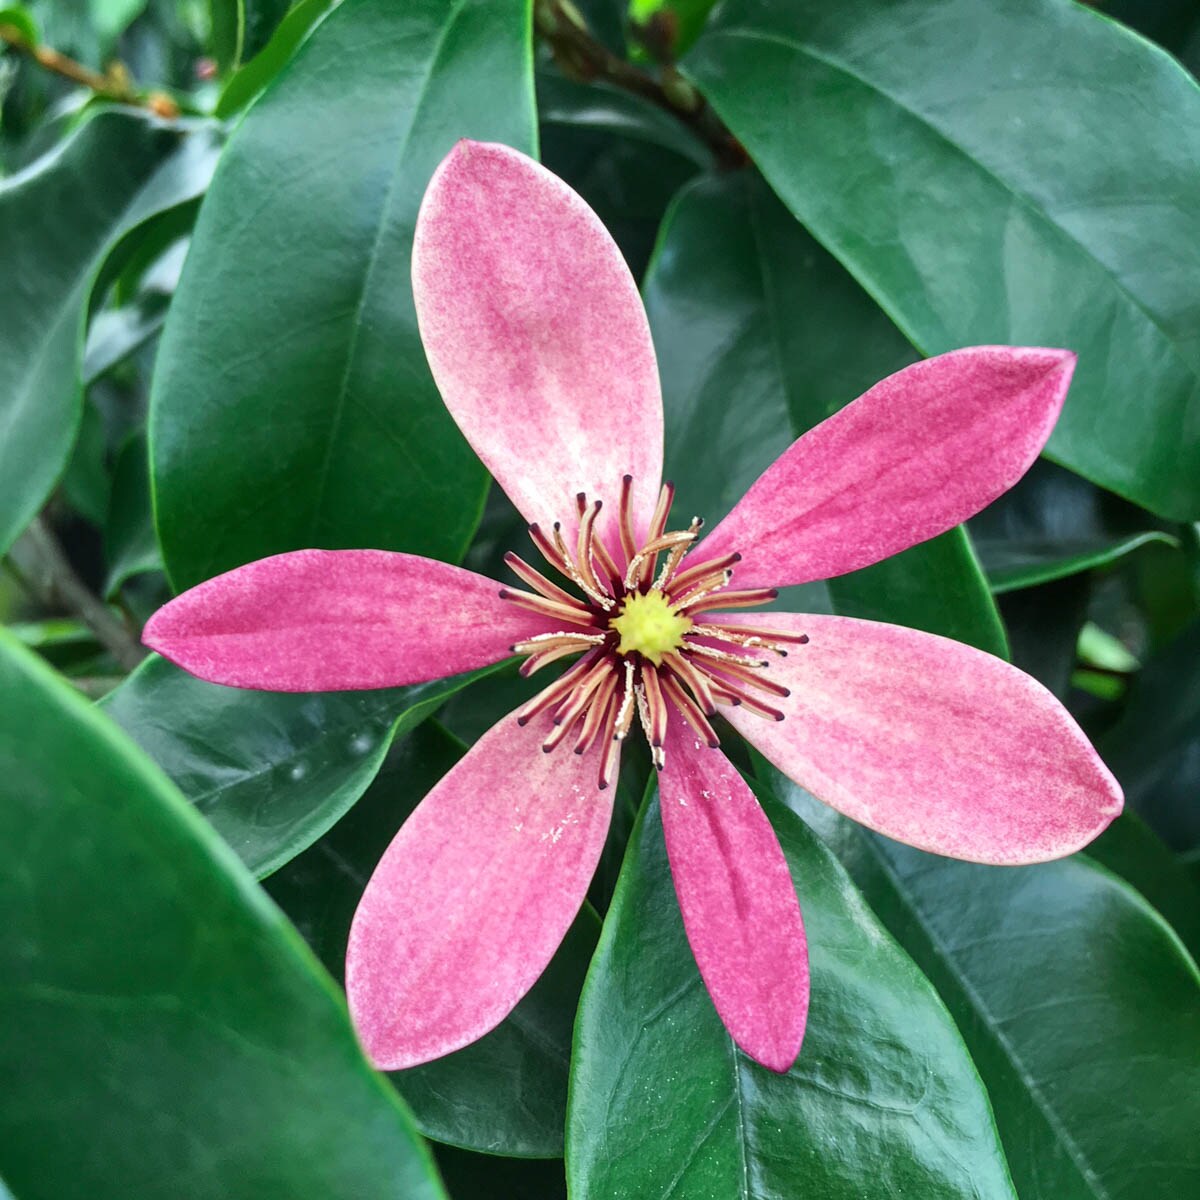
[598, 713]
[576, 701]
[656, 709]
[676, 555]
[536, 580]
[649, 551]
[573, 613]
[685, 579]
[547, 550]
[695, 679]
[610, 761]
[658, 523]
[723, 655]
[690, 710]
[657, 757]
[734, 599]
[558, 689]
[587, 525]
[731, 633]
[625, 520]
[730, 692]
[703, 586]
[546, 648]
[753, 677]
[573, 571]
[625, 713]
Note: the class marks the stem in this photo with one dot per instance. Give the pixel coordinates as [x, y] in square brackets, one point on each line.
[582, 57]
[62, 583]
[115, 85]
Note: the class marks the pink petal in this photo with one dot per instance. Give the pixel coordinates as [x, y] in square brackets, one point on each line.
[931, 742]
[918, 453]
[737, 898]
[473, 896]
[536, 336]
[336, 620]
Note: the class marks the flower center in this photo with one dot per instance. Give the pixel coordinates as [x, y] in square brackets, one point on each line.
[649, 626]
[644, 650]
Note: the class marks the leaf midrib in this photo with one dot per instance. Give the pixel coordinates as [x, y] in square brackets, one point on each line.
[385, 208]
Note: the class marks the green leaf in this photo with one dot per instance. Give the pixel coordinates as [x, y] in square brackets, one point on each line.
[1154, 749]
[1054, 524]
[507, 1093]
[761, 336]
[86, 483]
[58, 221]
[471, 1176]
[292, 404]
[623, 156]
[130, 547]
[272, 771]
[986, 182]
[883, 1100]
[1129, 848]
[228, 22]
[176, 1037]
[250, 79]
[1079, 1004]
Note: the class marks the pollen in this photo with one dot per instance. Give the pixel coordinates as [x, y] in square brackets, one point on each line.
[649, 625]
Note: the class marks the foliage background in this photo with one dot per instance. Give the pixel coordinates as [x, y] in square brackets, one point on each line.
[208, 353]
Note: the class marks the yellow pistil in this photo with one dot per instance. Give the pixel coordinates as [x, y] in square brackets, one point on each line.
[651, 626]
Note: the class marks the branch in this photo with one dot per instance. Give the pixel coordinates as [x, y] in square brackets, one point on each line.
[113, 85]
[60, 582]
[583, 58]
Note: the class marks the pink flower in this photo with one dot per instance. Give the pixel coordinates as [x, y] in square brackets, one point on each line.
[540, 346]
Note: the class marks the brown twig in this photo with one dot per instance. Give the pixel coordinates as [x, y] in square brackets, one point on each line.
[581, 57]
[114, 84]
[57, 581]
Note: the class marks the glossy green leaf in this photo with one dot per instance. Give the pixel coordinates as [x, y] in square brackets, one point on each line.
[626, 158]
[130, 546]
[883, 1101]
[271, 771]
[1079, 1004]
[175, 1036]
[760, 336]
[1044, 623]
[85, 482]
[1154, 749]
[506, 1093]
[1131, 849]
[250, 79]
[58, 221]
[292, 403]
[1012, 171]
[1053, 524]
[471, 1176]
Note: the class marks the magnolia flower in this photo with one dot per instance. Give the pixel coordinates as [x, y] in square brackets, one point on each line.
[539, 344]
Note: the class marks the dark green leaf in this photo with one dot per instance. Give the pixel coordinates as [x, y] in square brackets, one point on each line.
[1054, 524]
[761, 336]
[85, 482]
[130, 546]
[271, 771]
[883, 1100]
[58, 221]
[1129, 848]
[1079, 1004]
[292, 404]
[1044, 624]
[506, 1093]
[624, 157]
[1016, 171]
[1154, 749]
[175, 1036]
[471, 1176]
